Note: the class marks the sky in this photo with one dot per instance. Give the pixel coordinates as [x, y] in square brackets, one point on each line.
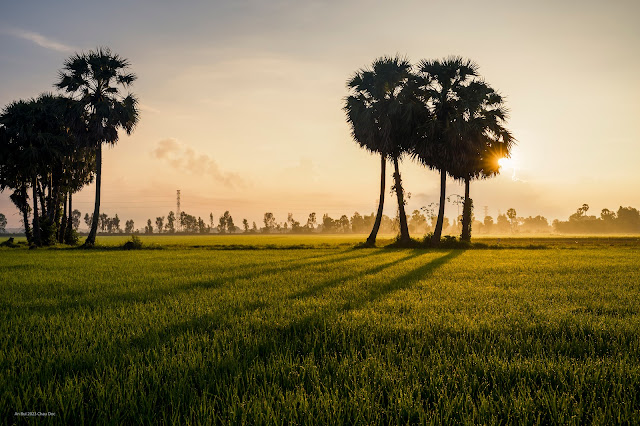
[241, 101]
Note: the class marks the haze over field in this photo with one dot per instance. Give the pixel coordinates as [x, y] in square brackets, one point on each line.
[242, 101]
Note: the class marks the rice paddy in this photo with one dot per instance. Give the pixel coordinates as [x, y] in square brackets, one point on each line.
[309, 330]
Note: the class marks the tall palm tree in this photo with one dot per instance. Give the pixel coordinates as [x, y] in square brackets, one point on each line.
[485, 140]
[381, 113]
[441, 141]
[97, 79]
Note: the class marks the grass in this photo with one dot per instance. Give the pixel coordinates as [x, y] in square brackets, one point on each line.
[324, 335]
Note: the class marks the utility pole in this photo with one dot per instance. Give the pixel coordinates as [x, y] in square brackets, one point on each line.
[178, 211]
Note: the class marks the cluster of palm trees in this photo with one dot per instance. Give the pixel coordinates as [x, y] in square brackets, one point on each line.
[440, 113]
[51, 146]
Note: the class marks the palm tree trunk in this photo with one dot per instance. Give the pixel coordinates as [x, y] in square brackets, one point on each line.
[48, 198]
[437, 233]
[25, 214]
[54, 215]
[466, 212]
[91, 239]
[36, 219]
[371, 241]
[41, 195]
[63, 224]
[404, 229]
[69, 229]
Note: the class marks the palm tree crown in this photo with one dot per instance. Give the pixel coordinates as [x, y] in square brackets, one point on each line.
[95, 79]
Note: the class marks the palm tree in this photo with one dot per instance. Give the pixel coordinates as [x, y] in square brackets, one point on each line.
[96, 79]
[441, 141]
[382, 113]
[485, 140]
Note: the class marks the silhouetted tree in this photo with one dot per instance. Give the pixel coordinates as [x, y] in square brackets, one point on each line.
[202, 227]
[383, 113]
[488, 223]
[293, 224]
[511, 214]
[441, 82]
[149, 228]
[128, 226]
[418, 222]
[535, 224]
[311, 221]
[628, 219]
[328, 224]
[357, 223]
[103, 221]
[3, 223]
[502, 224]
[225, 223]
[188, 222]
[159, 224]
[269, 222]
[171, 223]
[115, 224]
[95, 79]
[483, 140]
[607, 215]
[343, 224]
[245, 225]
[88, 220]
[13, 174]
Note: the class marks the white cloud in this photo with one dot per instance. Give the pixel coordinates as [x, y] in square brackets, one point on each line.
[183, 158]
[41, 40]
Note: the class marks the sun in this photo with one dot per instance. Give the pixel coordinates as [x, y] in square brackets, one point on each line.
[506, 163]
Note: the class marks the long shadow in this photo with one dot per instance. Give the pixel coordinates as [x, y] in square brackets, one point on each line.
[103, 301]
[212, 321]
[317, 288]
[403, 281]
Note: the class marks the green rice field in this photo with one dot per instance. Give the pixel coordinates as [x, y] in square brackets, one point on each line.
[310, 330]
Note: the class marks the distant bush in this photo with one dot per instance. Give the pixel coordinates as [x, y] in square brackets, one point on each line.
[48, 231]
[9, 243]
[134, 244]
[71, 237]
[447, 242]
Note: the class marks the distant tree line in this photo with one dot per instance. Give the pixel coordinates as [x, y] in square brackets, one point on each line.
[423, 221]
[625, 220]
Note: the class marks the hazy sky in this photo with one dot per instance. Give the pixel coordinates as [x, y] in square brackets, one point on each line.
[241, 100]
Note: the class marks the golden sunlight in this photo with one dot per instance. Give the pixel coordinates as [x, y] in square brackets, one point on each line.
[506, 163]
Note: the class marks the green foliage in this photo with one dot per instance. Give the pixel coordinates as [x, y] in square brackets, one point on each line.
[134, 244]
[324, 335]
[71, 236]
[48, 231]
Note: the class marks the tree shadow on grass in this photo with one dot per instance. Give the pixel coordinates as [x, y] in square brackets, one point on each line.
[318, 288]
[212, 321]
[401, 282]
[81, 299]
